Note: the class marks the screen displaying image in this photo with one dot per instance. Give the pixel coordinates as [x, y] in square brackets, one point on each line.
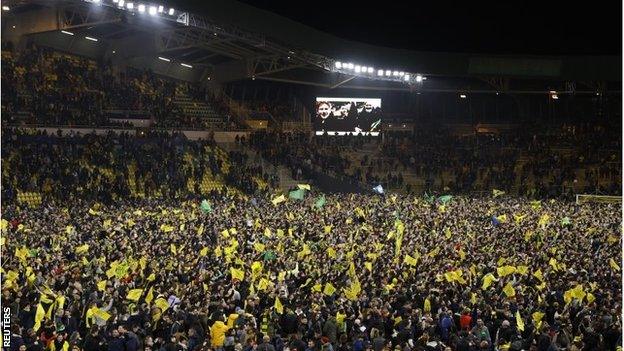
[342, 116]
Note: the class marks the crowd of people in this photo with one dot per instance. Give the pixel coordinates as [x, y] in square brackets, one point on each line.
[42, 86]
[113, 166]
[328, 272]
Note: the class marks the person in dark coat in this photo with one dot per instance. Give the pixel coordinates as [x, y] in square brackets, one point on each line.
[116, 342]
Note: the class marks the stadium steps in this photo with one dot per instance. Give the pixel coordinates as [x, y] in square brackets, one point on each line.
[196, 109]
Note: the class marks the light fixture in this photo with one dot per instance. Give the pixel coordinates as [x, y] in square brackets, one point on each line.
[91, 38]
[141, 8]
[338, 64]
[161, 9]
[5, 8]
[130, 6]
[66, 32]
[388, 72]
[553, 92]
[419, 78]
[171, 11]
[349, 65]
[401, 74]
[357, 69]
[406, 77]
[121, 3]
[555, 97]
[95, 1]
[395, 73]
[153, 10]
[186, 65]
[164, 59]
[380, 72]
[370, 70]
[463, 96]
[115, 1]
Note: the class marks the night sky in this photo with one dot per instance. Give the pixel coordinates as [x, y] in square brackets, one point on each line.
[503, 27]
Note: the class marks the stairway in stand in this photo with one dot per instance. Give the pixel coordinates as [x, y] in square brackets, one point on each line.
[196, 110]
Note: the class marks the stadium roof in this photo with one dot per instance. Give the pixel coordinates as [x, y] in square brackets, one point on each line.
[227, 40]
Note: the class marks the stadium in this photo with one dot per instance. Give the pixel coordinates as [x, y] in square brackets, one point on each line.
[231, 176]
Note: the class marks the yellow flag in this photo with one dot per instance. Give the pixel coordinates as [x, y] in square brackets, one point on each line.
[519, 218]
[101, 285]
[505, 271]
[101, 314]
[134, 294]
[203, 251]
[82, 249]
[509, 290]
[174, 249]
[487, 281]
[304, 186]
[522, 269]
[150, 295]
[39, 315]
[543, 220]
[329, 289]
[327, 229]
[331, 252]
[590, 298]
[161, 303]
[497, 192]
[267, 232]
[279, 308]
[427, 305]
[278, 199]
[519, 321]
[538, 274]
[501, 261]
[447, 233]
[263, 284]
[473, 298]
[462, 254]
[237, 274]
[614, 265]
[410, 260]
[368, 266]
[166, 228]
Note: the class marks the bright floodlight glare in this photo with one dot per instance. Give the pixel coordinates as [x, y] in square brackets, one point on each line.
[186, 65]
[5, 8]
[380, 72]
[130, 6]
[463, 96]
[555, 96]
[357, 68]
[91, 38]
[419, 78]
[401, 74]
[96, 1]
[161, 9]
[66, 32]
[370, 70]
[349, 65]
[171, 11]
[338, 64]
[388, 73]
[141, 8]
[395, 73]
[152, 10]
[164, 59]
[553, 92]
[121, 3]
[115, 1]
[407, 77]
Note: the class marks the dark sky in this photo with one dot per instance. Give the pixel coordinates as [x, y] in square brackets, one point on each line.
[504, 26]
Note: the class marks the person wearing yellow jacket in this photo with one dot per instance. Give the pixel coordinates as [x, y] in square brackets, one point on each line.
[217, 334]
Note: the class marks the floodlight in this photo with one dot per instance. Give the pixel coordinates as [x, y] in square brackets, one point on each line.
[380, 72]
[395, 73]
[91, 38]
[161, 9]
[357, 69]
[171, 11]
[401, 74]
[338, 64]
[152, 10]
[349, 65]
[130, 6]
[419, 78]
[555, 97]
[164, 59]
[121, 3]
[186, 65]
[5, 8]
[463, 96]
[141, 8]
[66, 32]
[388, 73]
[407, 77]
[370, 70]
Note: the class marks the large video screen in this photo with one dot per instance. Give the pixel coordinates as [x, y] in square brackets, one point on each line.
[342, 116]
